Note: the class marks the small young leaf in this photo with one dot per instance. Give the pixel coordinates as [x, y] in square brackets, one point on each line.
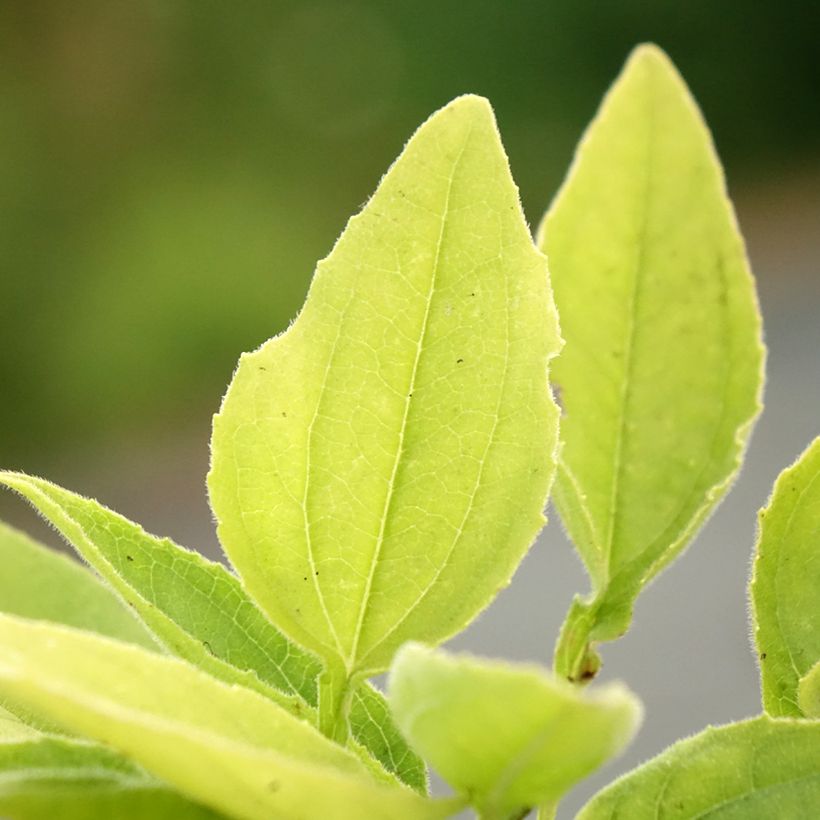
[223, 745]
[44, 777]
[373, 726]
[808, 693]
[785, 587]
[379, 469]
[759, 769]
[37, 582]
[509, 737]
[661, 375]
[198, 609]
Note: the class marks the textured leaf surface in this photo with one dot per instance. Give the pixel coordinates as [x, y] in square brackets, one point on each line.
[760, 769]
[379, 469]
[509, 737]
[785, 584]
[44, 777]
[37, 582]
[808, 692]
[194, 606]
[198, 609]
[373, 726]
[661, 376]
[224, 745]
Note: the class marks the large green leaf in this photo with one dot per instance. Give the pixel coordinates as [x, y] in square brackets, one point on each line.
[661, 376]
[785, 584]
[198, 609]
[509, 737]
[759, 769]
[44, 777]
[380, 468]
[37, 582]
[220, 744]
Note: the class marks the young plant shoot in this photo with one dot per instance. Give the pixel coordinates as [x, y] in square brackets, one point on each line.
[378, 472]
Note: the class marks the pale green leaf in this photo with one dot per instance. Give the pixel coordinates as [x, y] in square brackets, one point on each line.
[785, 587]
[661, 377]
[198, 609]
[808, 692]
[37, 582]
[380, 468]
[759, 769]
[44, 777]
[223, 745]
[509, 737]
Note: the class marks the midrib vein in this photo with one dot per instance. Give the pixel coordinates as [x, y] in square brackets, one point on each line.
[305, 496]
[365, 601]
[629, 358]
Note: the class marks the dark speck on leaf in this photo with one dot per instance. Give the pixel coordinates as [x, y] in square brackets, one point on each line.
[305, 578]
[763, 656]
[284, 414]
[273, 786]
[208, 647]
[128, 558]
[459, 361]
[262, 367]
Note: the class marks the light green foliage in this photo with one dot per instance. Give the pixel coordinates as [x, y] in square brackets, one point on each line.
[808, 692]
[785, 586]
[37, 582]
[759, 769]
[509, 737]
[380, 468]
[44, 777]
[378, 472]
[660, 379]
[224, 745]
[194, 606]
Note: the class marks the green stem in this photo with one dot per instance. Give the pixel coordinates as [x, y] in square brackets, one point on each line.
[335, 694]
[575, 656]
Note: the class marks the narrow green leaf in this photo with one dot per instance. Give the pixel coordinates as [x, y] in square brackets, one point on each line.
[195, 607]
[220, 744]
[192, 604]
[661, 376]
[785, 587]
[808, 692]
[373, 726]
[509, 737]
[43, 777]
[380, 468]
[759, 769]
[37, 582]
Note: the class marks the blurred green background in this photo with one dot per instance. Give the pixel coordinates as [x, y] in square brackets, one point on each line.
[171, 171]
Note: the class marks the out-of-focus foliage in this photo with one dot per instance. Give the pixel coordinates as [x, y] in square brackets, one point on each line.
[170, 170]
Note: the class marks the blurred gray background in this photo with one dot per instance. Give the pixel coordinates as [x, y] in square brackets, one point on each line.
[170, 171]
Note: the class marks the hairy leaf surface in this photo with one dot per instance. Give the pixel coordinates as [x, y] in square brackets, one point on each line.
[785, 584]
[510, 737]
[661, 376]
[379, 469]
[195, 607]
[44, 777]
[37, 582]
[223, 745]
[759, 769]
